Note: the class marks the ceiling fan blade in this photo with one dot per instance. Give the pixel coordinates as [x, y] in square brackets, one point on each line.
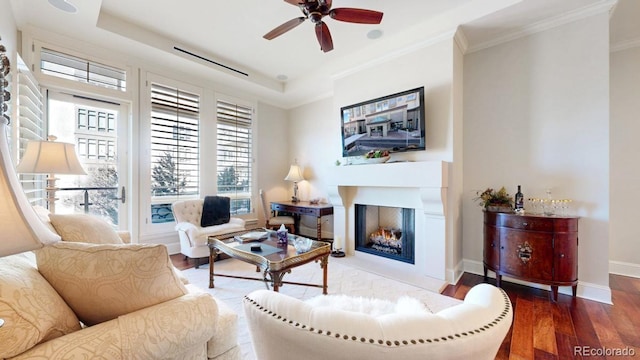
[360, 16]
[284, 28]
[324, 36]
[295, 2]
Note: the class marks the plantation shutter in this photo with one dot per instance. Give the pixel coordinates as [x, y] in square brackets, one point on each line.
[175, 160]
[234, 154]
[30, 126]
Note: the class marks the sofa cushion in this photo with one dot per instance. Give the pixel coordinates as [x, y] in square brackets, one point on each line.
[102, 282]
[84, 228]
[32, 310]
[43, 215]
[215, 211]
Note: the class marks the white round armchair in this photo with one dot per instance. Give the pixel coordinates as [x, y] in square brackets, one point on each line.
[283, 327]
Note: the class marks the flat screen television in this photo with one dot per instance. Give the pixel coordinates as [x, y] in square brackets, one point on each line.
[395, 123]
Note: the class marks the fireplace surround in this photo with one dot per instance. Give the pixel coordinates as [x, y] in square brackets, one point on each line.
[421, 186]
[385, 231]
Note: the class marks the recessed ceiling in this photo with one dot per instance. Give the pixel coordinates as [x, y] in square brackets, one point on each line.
[290, 69]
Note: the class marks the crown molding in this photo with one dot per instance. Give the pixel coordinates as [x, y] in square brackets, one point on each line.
[461, 39]
[625, 45]
[548, 24]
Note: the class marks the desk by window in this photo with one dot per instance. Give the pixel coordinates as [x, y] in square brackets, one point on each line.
[304, 208]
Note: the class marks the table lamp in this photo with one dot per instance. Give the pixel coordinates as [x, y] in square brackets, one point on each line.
[294, 175]
[50, 157]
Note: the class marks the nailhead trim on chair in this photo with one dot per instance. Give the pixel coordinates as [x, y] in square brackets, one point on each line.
[394, 343]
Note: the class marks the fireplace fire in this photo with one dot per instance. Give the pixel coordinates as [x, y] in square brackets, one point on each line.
[386, 240]
[385, 231]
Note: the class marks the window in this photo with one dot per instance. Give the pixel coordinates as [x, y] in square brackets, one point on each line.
[73, 68]
[94, 120]
[234, 151]
[175, 116]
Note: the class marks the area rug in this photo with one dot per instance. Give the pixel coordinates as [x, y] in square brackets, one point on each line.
[343, 280]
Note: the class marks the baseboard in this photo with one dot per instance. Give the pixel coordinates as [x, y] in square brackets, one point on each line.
[624, 268]
[170, 240]
[454, 275]
[173, 248]
[586, 290]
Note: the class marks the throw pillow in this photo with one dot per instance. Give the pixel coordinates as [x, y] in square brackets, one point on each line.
[84, 228]
[102, 282]
[32, 310]
[215, 211]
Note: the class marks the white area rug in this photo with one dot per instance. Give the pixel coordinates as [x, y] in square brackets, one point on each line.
[343, 280]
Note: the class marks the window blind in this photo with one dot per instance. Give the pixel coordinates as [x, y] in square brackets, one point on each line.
[234, 149]
[175, 161]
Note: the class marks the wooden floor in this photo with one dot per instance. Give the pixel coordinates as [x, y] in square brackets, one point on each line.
[543, 329]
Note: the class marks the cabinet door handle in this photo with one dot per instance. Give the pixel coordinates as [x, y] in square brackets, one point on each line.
[493, 245]
[524, 224]
[561, 255]
[502, 247]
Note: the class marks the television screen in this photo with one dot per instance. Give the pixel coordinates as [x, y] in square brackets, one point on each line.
[395, 123]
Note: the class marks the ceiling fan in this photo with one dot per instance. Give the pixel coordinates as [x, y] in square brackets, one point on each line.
[315, 10]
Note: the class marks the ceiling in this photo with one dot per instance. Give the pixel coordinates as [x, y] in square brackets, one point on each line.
[229, 33]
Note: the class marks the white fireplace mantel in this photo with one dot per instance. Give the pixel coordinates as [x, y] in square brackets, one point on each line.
[418, 185]
[422, 174]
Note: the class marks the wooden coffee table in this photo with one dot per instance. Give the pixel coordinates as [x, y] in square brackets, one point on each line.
[274, 260]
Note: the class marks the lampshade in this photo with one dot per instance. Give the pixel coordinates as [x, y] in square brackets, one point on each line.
[294, 174]
[20, 227]
[50, 157]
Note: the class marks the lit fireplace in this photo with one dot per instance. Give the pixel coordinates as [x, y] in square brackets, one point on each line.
[386, 240]
[385, 231]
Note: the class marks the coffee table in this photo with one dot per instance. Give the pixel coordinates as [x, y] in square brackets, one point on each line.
[274, 260]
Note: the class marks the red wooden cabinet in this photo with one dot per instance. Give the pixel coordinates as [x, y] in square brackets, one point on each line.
[539, 249]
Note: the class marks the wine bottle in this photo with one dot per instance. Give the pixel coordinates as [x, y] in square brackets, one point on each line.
[519, 199]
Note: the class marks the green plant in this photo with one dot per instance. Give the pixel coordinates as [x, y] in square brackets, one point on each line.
[490, 197]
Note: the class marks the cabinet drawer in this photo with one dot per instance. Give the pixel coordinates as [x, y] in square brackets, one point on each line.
[304, 211]
[526, 223]
[568, 225]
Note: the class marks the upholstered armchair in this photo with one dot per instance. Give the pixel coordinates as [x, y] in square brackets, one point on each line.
[193, 236]
[78, 300]
[283, 327]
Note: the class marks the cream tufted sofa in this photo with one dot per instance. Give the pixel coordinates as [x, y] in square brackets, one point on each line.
[193, 237]
[283, 327]
[106, 300]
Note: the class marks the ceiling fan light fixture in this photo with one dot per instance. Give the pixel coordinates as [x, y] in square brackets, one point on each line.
[282, 77]
[375, 34]
[64, 5]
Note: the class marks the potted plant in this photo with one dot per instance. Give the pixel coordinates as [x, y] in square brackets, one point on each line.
[491, 200]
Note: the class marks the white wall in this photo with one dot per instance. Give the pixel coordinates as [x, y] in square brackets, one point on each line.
[272, 163]
[314, 139]
[8, 31]
[625, 168]
[536, 114]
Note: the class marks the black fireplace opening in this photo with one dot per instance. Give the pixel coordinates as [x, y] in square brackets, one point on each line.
[385, 231]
